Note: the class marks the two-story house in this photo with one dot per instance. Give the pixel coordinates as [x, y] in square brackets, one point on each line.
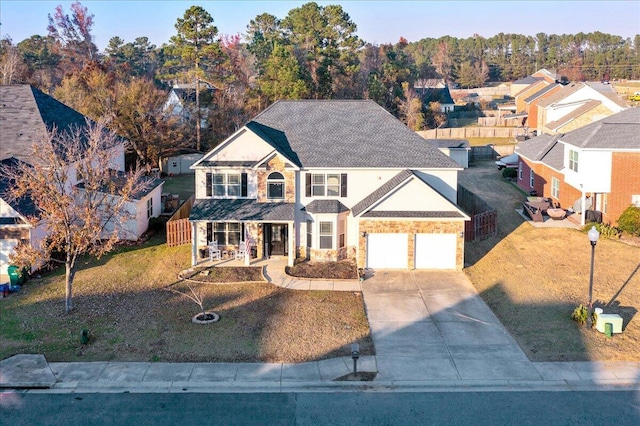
[595, 167]
[328, 180]
[576, 105]
[26, 115]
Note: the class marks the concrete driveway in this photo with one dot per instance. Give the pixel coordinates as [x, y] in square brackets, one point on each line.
[431, 325]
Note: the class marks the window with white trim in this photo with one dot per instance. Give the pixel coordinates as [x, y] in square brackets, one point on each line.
[519, 170]
[226, 184]
[573, 160]
[309, 233]
[532, 178]
[149, 207]
[325, 185]
[275, 186]
[342, 225]
[635, 200]
[326, 235]
[555, 187]
[225, 233]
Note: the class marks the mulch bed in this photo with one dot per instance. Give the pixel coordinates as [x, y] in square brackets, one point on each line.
[342, 270]
[227, 274]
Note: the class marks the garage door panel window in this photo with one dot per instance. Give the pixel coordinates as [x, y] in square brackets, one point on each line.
[326, 235]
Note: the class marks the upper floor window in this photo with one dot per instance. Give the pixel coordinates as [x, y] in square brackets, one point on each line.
[573, 160]
[275, 186]
[226, 184]
[326, 185]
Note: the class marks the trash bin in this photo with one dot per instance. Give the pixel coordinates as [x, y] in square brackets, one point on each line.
[14, 275]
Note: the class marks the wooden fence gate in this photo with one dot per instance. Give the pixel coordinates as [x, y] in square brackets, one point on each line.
[484, 218]
[178, 225]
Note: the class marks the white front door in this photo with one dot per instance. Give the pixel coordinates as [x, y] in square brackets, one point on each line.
[435, 251]
[387, 251]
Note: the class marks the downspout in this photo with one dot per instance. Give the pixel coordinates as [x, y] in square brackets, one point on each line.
[194, 244]
[291, 237]
[583, 202]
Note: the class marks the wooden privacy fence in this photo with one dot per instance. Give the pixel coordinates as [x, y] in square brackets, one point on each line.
[484, 218]
[490, 152]
[178, 226]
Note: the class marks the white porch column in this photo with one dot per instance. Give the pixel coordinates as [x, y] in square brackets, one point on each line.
[194, 244]
[290, 243]
[583, 203]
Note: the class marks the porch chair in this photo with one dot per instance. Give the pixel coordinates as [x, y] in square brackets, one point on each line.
[242, 250]
[214, 251]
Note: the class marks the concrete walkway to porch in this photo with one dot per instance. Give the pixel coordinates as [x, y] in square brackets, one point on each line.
[274, 272]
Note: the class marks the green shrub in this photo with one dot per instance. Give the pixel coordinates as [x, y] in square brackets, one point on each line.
[580, 315]
[604, 229]
[629, 221]
[509, 173]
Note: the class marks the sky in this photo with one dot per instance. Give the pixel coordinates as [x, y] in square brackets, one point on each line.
[378, 22]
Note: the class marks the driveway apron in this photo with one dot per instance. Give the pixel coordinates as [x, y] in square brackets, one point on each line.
[433, 325]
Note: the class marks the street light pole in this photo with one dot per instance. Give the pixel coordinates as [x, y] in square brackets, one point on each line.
[593, 235]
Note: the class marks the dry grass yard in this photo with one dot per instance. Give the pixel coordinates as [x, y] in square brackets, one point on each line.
[121, 300]
[533, 278]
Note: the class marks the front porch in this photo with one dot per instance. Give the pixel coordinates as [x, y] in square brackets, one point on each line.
[262, 240]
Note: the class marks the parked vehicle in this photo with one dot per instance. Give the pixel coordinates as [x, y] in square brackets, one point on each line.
[509, 161]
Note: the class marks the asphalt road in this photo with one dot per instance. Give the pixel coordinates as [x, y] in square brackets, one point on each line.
[362, 408]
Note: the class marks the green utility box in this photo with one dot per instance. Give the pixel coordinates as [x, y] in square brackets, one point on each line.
[608, 329]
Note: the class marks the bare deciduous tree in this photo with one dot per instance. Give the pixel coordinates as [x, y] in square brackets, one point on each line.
[83, 203]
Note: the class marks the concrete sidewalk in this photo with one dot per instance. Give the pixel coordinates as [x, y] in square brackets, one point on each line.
[431, 330]
[18, 373]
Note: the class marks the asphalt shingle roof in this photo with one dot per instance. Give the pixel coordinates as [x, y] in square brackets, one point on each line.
[537, 147]
[25, 205]
[587, 106]
[618, 131]
[241, 210]
[541, 92]
[325, 206]
[26, 114]
[344, 133]
[383, 190]
[412, 214]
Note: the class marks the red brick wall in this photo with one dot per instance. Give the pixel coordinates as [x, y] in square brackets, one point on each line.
[543, 175]
[625, 182]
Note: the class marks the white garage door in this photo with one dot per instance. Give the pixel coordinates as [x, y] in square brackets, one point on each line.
[387, 251]
[6, 248]
[435, 251]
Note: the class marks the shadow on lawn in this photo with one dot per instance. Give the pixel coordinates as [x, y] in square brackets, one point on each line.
[153, 323]
[546, 332]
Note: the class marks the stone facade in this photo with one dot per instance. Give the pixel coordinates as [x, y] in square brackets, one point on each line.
[276, 164]
[411, 227]
[328, 255]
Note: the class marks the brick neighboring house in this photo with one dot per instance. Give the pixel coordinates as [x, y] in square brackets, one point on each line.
[600, 161]
[328, 180]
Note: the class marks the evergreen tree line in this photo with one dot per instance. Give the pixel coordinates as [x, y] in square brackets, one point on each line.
[312, 53]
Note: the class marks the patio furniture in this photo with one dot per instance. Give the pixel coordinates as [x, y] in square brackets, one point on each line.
[214, 251]
[534, 213]
[556, 214]
[242, 250]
